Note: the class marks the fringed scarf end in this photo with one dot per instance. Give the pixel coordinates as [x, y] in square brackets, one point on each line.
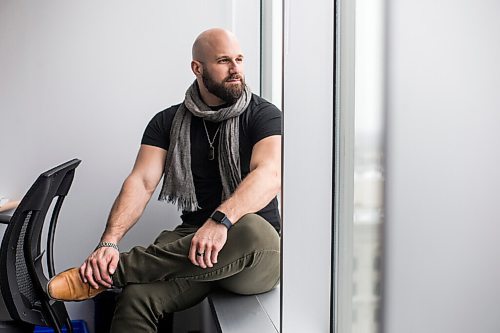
[184, 204]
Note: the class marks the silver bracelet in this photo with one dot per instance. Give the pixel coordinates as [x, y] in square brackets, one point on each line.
[107, 244]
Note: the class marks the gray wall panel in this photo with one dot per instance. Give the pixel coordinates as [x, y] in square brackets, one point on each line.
[308, 161]
[442, 228]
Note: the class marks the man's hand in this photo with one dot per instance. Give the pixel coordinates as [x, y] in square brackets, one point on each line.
[208, 241]
[99, 266]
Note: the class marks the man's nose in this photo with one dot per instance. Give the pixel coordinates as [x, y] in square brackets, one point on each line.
[234, 67]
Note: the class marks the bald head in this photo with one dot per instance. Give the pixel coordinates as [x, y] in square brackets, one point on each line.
[212, 42]
[218, 66]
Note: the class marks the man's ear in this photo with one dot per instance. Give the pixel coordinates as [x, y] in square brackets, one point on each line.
[196, 68]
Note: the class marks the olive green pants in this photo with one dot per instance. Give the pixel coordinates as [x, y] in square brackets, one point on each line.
[161, 279]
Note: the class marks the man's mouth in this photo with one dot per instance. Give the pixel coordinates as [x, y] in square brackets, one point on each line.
[234, 79]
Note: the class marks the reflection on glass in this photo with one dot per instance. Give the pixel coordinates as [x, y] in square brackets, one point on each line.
[368, 167]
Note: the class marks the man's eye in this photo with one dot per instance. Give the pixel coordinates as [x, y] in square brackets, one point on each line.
[222, 61]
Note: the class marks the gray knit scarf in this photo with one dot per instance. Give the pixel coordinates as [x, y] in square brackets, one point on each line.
[178, 185]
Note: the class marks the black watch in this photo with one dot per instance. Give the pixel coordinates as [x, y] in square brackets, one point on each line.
[220, 217]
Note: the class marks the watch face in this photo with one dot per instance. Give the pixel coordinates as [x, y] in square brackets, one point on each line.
[218, 216]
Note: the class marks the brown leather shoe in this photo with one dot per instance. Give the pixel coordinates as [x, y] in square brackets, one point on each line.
[68, 286]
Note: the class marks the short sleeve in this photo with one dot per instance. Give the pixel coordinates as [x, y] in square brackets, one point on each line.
[266, 122]
[157, 132]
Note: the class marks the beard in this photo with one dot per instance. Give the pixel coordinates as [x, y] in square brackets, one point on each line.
[229, 93]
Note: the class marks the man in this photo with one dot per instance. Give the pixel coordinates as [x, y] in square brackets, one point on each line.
[219, 155]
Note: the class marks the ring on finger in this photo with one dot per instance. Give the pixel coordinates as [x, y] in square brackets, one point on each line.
[200, 254]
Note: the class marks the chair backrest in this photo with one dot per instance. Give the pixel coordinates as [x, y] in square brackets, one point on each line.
[22, 280]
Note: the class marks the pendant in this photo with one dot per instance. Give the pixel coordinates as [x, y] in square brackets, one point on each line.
[211, 153]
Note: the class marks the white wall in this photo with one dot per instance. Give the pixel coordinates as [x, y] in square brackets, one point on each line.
[82, 79]
[443, 235]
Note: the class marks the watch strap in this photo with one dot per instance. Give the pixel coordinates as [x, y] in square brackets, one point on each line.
[227, 223]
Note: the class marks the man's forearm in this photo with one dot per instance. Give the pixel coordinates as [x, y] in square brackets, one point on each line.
[126, 209]
[255, 191]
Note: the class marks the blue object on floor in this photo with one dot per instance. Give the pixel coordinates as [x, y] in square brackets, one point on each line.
[79, 326]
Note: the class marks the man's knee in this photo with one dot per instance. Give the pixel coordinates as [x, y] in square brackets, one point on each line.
[259, 242]
[254, 232]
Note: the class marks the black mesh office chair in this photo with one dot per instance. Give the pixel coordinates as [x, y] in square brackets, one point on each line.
[24, 302]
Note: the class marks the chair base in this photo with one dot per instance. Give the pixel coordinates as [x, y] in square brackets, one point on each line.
[15, 327]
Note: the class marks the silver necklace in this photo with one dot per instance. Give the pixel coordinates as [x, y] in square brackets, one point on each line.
[211, 150]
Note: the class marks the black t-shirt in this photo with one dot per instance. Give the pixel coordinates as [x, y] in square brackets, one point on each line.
[260, 120]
